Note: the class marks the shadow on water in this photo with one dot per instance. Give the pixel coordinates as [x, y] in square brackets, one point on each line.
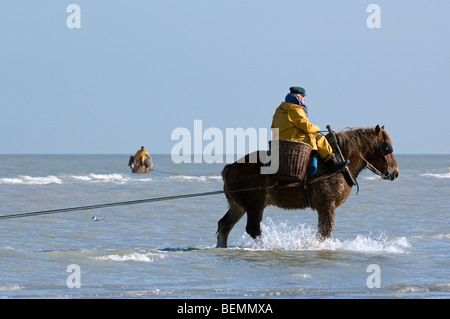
[168, 249]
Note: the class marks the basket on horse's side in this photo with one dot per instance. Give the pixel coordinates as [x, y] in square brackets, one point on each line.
[293, 159]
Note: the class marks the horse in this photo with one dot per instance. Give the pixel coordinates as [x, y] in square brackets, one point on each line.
[249, 191]
[137, 167]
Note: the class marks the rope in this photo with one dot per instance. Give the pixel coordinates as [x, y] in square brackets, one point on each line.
[158, 199]
[132, 202]
[126, 203]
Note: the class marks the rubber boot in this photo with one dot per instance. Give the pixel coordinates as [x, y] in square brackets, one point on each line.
[335, 165]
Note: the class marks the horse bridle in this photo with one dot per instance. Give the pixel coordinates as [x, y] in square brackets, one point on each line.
[385, 148]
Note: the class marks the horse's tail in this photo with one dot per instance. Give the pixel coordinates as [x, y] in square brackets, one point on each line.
[225, 172]
[226, 182]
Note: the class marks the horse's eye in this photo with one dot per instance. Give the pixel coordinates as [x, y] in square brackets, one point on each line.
[386, 148]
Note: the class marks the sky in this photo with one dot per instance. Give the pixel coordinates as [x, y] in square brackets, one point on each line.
[137, 70]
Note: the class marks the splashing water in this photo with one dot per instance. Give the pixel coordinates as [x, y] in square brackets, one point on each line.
[301, 237]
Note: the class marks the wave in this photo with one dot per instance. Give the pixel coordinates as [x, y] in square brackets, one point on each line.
[28, 180]
[436, 236]
[12, 287]
[46, 180]
[132, 256]
[303, 238]
[405, 289]
[105, 178]
[438, 175]
[120, 178]
[195, 178]
[115, 178]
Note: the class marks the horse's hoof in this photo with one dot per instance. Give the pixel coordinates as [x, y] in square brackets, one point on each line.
[221, 244]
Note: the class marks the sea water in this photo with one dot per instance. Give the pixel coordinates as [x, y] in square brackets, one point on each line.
[392, 240]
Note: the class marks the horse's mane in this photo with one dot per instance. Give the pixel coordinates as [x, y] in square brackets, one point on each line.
[360, 140]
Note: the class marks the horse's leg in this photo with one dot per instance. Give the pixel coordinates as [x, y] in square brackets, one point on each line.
[326, 222]
[254, 218]
[226, 223]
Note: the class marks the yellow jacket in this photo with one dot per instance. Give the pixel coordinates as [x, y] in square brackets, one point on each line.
[293, 124]
[142, 153]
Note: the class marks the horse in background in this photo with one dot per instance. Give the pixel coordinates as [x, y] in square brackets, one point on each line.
[136, 166]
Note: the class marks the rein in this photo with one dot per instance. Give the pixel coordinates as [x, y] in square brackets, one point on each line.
[371, 168]
[385, 149]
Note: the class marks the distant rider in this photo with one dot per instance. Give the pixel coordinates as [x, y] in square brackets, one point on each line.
[142, 153]
[291, 118]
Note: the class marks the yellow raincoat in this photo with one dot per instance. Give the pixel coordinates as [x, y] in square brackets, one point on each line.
[141, 154]
[293, 124]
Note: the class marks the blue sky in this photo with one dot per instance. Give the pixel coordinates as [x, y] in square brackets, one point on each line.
[137, 70]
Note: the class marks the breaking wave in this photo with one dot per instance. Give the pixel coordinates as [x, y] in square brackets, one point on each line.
[106, 178]
[195, 178]
[149, 256]
[28, 180]
[13, 287]
[114, 178]
[438, 175]
[70, 179]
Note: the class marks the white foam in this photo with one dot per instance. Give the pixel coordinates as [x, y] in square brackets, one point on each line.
[195, 178]
[29, 180]
[13, 287]
[301, 276]
[11, 181]
[102, 178]
[109, 178]
[135, 256]
[80, 178]
[408, 289]
[143, 180]
[441, 236]
[92, 177]
[303, 238]
[436, 236]
[115, 178]
[438, 175]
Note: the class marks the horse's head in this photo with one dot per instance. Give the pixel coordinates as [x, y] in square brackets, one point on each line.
[132, 162]
[381, 157]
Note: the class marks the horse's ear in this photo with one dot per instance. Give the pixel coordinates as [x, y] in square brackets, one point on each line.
[378, 130]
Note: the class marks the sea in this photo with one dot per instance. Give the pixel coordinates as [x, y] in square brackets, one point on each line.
[391, 240]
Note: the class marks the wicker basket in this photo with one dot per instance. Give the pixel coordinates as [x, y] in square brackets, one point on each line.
[293, 160]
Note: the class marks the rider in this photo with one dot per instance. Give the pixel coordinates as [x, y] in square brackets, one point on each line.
[291, 118]
[141, 154]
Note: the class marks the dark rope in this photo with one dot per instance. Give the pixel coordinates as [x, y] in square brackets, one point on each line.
[126, 203]
[158, 199]
[132, 202]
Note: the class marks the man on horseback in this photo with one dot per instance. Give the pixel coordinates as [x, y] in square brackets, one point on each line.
[291, 118]
[142, 153]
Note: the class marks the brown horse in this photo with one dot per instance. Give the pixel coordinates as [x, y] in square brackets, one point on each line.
[137, 167]
[362, 147]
